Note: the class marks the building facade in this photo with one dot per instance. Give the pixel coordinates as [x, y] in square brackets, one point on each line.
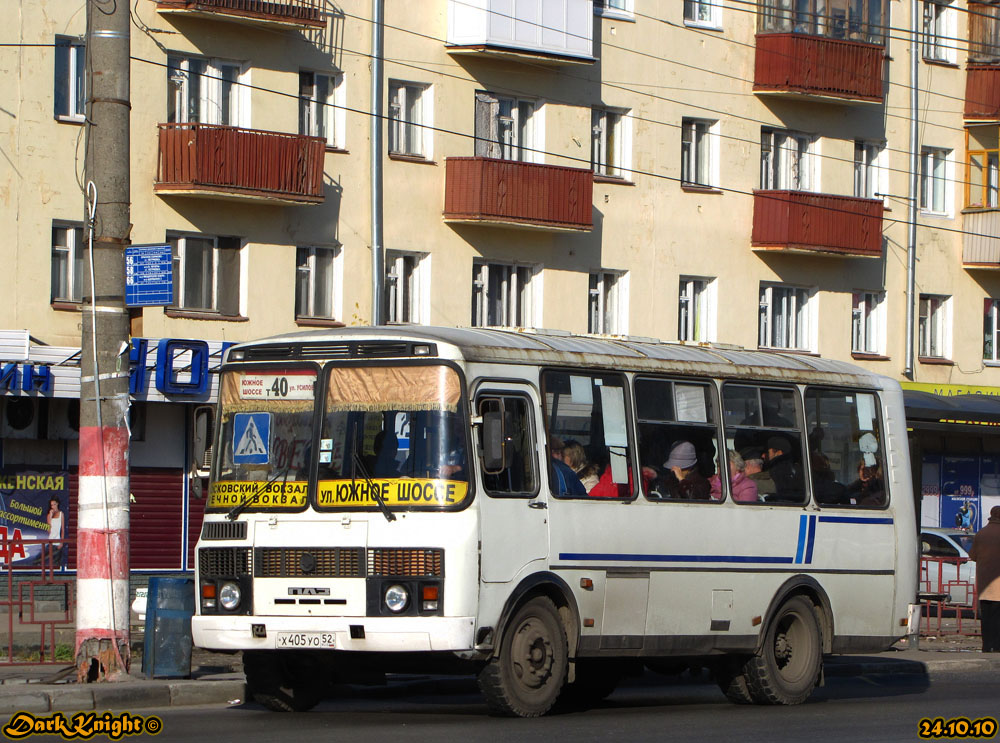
[731, 171]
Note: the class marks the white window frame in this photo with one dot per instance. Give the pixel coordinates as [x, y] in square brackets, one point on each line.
[68, 240]
[212, 82]
[323, 115]
[407, 293]
[509, 128]
[70, 82]
[700, 151]
[607, 304]
[939, 31]
[696, 301]
[611, 143]
[870, 171]
[934, 326]
[786, 317]
[182, 268]
[991, 331]
[868, 322]
[517, 286]
[621, 9]
[309, 271]
[788, 161]
[411, 119]
[937, 178]
[703, 13]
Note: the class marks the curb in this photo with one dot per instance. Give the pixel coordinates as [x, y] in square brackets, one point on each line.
[124, 696]
[901, 666]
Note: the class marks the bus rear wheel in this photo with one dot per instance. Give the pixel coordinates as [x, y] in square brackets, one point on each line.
[787, 668]
[526, 677]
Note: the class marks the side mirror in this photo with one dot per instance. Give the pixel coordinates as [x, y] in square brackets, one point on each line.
[493, 442]
[201, 425]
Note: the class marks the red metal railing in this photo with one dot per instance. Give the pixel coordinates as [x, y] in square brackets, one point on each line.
[982, 91]
[300, 12]
[234, 161]
[814, 64]
[490, 190]
[802, 220]
[948, 587]
[25, 616]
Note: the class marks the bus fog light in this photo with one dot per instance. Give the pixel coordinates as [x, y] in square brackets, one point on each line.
[229, 596]
[207, 604]
[396, 598]
[430, 606]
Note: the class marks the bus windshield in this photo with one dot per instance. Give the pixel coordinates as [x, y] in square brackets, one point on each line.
[397, 429]
[264, 439]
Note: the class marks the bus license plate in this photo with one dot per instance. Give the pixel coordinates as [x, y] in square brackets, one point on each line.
[305, 640]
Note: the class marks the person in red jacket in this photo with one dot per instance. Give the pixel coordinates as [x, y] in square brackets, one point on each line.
[986, 552]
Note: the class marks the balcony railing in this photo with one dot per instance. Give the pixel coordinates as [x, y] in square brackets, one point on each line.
[229, 162]
[307, 13]
[981, 238]
[505, 192]
[817, 222]
[982, 91]
[814, 65]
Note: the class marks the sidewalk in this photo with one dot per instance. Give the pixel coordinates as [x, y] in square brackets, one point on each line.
[218, 679]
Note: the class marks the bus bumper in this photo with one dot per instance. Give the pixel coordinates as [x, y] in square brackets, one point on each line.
[380, 634]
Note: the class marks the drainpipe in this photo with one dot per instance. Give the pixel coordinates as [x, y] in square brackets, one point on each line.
[378, 249]
[911, 237]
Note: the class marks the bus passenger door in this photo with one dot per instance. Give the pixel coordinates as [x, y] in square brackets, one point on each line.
[513, 506]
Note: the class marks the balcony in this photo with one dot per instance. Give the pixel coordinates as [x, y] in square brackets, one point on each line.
[284, 13]
[801, 221]
[215, 161]
[818, 66]
[540, 31]
[982, 92]
[516, 194]
[981, 238]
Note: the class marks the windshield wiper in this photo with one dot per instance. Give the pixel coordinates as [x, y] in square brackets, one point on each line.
[250, 500]
[357, 464]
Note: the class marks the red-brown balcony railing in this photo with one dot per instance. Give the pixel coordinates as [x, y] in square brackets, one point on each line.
[283, 12]
[482, 189]
[247, 163]
[797, 63]
[982, 91]
[817, 222]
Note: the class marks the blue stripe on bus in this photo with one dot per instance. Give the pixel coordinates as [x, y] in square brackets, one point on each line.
[854, 520]
[802, 538]
[812, 538]
[617, 557]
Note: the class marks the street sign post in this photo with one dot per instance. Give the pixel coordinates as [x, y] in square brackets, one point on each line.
[149, 275]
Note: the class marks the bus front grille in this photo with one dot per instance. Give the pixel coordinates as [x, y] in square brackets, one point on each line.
[309, 562]
[405, 561]
[224, 530]
[224, 562]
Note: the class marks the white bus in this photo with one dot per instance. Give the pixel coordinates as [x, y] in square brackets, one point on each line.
[550, 512]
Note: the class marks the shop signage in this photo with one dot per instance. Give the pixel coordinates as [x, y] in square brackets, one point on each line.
[950, 390]
[34, 506]
[25, 377]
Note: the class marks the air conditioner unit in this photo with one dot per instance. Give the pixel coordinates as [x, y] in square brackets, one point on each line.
[63, 419]
[22, 417]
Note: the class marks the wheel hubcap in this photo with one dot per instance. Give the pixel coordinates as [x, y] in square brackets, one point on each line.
[532, 654]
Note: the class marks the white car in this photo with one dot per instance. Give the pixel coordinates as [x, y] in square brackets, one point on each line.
[945, 567]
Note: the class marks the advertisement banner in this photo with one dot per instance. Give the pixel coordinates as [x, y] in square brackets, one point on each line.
[34, 505]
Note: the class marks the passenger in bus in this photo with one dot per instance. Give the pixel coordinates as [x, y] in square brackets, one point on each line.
[563, 480]
[744, 489]
[575, 456]
[827, 489]
[680, 477]
[869, 488]
[784, 470]
[753, 468]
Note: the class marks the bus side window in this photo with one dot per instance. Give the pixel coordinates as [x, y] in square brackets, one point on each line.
[516, 476]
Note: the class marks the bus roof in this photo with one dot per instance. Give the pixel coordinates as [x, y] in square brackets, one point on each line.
[525, 346]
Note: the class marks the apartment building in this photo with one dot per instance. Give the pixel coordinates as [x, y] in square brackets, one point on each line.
[721, 171]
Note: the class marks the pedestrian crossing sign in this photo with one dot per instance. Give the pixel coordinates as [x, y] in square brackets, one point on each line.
[251, 438]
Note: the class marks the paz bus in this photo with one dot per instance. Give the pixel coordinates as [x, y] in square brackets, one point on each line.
[400, 499]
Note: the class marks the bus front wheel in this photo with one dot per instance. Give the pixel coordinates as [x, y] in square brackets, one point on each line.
[526, 677]
[787, 668]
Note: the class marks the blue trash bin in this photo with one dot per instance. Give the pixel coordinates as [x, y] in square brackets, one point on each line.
[167, 645]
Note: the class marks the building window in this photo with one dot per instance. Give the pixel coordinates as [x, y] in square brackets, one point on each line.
[853, 20]
[67, 262]
[507, 128]
[939, 31]
[404, 291]
[608, 303]
[321, 107]
[932, 326]
[207, 91]
[206, 273]
[868, 169]
[983, 168]
[315, 282]
[984, 33]
[70, 90]
[698, 156]
[868, 323]
[695, 309]
[784, 320]
[502, 295]
[614, 8]
[703, 13]
[934, 177]
[991, 324]
[785, 161]
[609, 152]
[409, 119]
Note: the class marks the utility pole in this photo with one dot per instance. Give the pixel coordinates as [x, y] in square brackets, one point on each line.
[102, 639]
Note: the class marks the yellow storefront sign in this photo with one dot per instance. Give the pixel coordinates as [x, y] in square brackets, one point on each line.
[406, 492]
[949, 390]
[262, 495]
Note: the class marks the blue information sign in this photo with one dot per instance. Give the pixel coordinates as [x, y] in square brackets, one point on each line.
[149, 275]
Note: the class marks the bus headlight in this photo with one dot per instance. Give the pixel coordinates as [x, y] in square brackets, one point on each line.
[229, 596]
[396, 598]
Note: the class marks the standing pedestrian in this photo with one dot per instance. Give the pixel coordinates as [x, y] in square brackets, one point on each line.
[986, 552]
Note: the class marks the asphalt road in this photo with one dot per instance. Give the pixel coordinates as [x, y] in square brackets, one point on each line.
[867, 708]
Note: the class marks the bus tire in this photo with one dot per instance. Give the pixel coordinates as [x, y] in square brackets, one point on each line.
[732, 681]
[595, 681]
[527, 675]
[282, 684]
[788, 665]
